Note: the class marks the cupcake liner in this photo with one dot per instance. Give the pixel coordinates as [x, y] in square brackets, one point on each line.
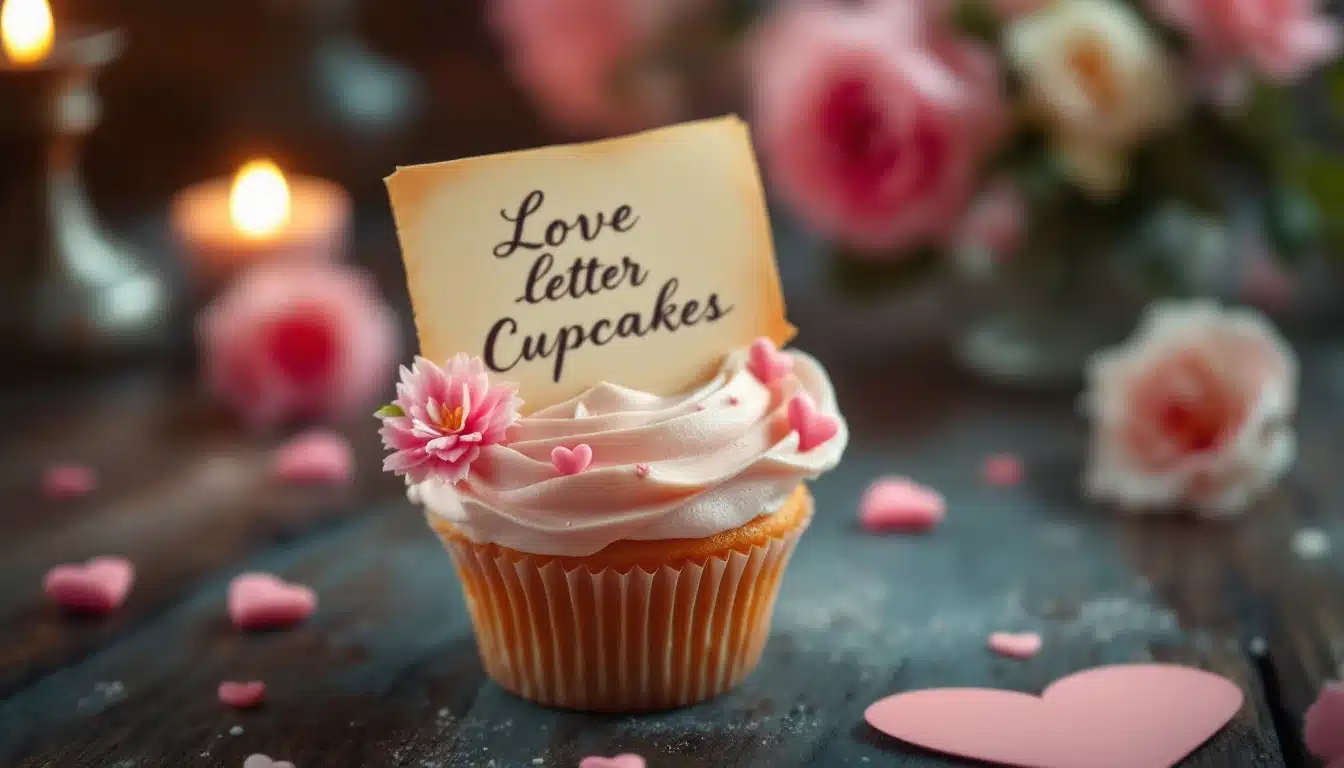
[620, 641]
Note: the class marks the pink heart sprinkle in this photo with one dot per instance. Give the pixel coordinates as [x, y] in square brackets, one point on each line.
[242, 695]
[262, 761]
[642, 470]
[66, 481]
[767, 363]
[318, 456]
[733, 400]
[619, 761]
[899, 504]
[97, 586]
[263, 601]
[1324, 724]
[572, 461]
[1127, 716]
[813, 427]
[1004, 470]
[1019, 645]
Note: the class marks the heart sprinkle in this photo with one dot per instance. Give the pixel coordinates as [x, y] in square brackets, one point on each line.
[242, 695]
[1019, 645]
[814, 428]
[98, 586]
[572, 461]
[902, 505]
[1324, 724]
[67, 481]
[262, 761]
[1003, 470]
[642, 470]
[319, 457]
[264, 601]
[767, 363]
[620, 761]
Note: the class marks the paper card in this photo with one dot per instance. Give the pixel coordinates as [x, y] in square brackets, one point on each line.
[640, 261]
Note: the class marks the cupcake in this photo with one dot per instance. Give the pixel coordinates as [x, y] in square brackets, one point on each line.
[619, 551]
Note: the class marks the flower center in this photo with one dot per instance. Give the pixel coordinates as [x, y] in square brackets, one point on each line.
[452, 420]
[1195, 428]
[1092, 67]
[860, 139]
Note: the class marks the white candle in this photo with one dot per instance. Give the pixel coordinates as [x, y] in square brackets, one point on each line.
[259, 216]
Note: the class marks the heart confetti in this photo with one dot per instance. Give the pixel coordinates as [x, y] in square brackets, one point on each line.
[263, 601]
[1324, 724]
[242, 695]
[98, 586]
[619, 761]
[899, 504]
[767, 363]
[1004, 470]
[572, 461]
[67, 481]
[319, 457]
[1015, 645]
[262, 761]
[1126, 716]
[813, 427]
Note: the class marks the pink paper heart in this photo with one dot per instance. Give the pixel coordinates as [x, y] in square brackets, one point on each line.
[898, 504]
[813, 426]
[262, 761]
[1126, 716]
[1016, 645]
[572, 461]
[619, 761]
[767, 363]
[318, 456]
[263, 601]
[66, 481]
[1003, 470]
[97, 586]
[242, 695]
[1323, 724]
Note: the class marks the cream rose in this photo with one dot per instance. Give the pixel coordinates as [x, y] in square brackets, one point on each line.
[1098, 79]
[1192, 412]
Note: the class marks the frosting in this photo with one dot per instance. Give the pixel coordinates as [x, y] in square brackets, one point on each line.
[688, 466]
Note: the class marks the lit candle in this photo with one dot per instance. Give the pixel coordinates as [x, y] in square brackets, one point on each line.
[27, 31]
[259, 215]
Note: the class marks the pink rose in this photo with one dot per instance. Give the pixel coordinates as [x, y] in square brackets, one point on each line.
[873, 119]
[1193, 411]
[578, 59]
[1282, 39]
[298, 341]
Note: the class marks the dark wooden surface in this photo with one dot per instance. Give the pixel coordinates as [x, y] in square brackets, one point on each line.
[385, 674]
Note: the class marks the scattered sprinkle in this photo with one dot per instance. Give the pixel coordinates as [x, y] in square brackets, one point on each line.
[733, 400]
[1003, 470]
[236, 730]
[262, 761]
[67, 481]
[619, 761]
[265, 601]
[1258, 646]
[1020, 645]
[97, 586]
[642, 470]
[899, 504]
[1311, 544]
[538, 761]
[242, 695]
[316, 457]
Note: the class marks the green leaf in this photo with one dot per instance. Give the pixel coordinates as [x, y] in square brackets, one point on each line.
[389, 411]
[1334, 83]
[868, 276]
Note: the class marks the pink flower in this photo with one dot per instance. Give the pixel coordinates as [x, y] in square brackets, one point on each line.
[1324, 724]
[298, 341]
[1282, 39]
[1193, 411]
[996, 222]
[873, 119]
[579, 59]
[444, 417]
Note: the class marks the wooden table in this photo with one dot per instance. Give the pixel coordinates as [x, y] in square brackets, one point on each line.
[386, 673]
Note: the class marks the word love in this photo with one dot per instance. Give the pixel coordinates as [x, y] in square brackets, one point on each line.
[585, 276]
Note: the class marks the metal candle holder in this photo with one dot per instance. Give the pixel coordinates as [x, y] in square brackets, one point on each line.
[68, 292]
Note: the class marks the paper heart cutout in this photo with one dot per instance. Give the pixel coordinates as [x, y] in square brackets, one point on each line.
[97, 586]
[66, 481]
[263, 601]
[767, 363]
[619, 761]
[899, 504]
[813, 426]
[262, 761]
[242, 695]
[1016, 645]
[1004, 470]
[572, 461]
[314, 457]
[1323, 725]
[1125, 716]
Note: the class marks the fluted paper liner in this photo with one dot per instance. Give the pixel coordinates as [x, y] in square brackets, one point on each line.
[612, 641]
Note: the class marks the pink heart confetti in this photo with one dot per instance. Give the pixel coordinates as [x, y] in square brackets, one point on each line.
[97, 586]
[1004, 470]
[619, 761]
[1324, 724]
[263, 601]
[262, 761]
[319, 456]
[767, 363]
[1127, 716]
[1015, 645]
[642, 470]
[813, 427]
[900, 504]
[572, 461]
[67, 481]
[242, 695]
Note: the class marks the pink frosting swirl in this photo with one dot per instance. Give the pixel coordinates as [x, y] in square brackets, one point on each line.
[688, 466]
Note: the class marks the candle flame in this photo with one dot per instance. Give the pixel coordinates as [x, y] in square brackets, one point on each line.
[26, 30]
[259, 200]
